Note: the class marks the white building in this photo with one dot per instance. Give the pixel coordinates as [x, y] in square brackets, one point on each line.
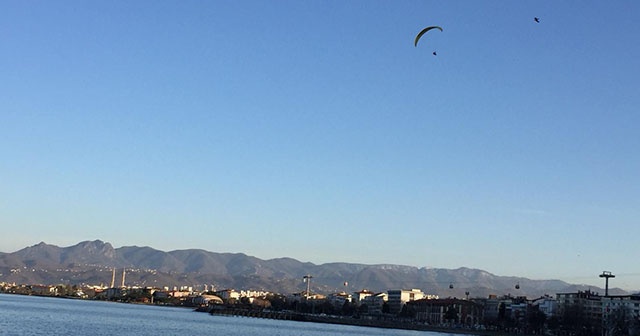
[228, 294]
[359, 296]
[398, 297]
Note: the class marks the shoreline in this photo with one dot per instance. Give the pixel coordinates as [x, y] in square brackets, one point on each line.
[311, 318]
[373, 323]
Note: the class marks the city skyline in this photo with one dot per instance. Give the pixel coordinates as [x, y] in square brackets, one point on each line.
[320, 131]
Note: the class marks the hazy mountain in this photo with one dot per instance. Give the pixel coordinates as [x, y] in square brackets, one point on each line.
[92, 262]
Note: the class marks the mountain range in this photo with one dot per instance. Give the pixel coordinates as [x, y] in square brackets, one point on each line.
[92, 263]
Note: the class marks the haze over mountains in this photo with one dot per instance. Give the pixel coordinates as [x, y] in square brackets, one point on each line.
[91, 262]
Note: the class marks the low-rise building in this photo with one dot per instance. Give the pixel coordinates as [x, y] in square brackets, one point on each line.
[359, 296]
[339, 299]
[114, 293]
[228, 294]
[43, 290]
[253, 293]
[203, 300]
[180, 294]
[447, 311]
[546, 304]
[304, 296]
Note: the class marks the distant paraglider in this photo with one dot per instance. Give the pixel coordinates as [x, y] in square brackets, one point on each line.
[518, 285]
[422, 32]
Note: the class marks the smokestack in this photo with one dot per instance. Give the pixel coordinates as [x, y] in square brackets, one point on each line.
[113, 278]
[123, 273]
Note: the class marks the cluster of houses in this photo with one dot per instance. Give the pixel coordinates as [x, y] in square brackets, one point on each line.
[589, 308]
[586, 308]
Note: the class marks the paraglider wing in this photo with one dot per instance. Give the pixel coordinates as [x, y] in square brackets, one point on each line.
[422, 32]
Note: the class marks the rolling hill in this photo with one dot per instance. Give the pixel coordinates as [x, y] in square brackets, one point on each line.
[92, 262]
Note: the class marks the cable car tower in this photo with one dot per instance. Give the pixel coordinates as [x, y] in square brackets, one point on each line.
[606, 275]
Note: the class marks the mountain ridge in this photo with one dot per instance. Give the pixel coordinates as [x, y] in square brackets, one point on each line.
[89, 262]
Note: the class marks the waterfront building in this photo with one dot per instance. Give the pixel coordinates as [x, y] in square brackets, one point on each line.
[160, 294]
[374, 303]
[500, 308]
[113, 293]
[399, 297]
[43, 290]
[253, 293]
[304, 296]
[447, 311]
[204, 299]
[359, 296]
[180, 294]
[228, 294]
[339, 299]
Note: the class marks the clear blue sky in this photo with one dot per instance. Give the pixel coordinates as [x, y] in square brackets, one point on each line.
[316, 130]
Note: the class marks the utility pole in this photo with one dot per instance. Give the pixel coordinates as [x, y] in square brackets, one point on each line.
[606, 275]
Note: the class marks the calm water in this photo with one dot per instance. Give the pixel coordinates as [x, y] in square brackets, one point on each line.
[30, 315]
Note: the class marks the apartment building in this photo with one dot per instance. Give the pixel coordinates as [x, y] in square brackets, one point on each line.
[397, 298]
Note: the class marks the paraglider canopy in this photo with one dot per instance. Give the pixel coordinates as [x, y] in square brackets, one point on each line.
[422, 32]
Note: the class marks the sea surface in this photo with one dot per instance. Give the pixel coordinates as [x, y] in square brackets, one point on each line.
[32, 315]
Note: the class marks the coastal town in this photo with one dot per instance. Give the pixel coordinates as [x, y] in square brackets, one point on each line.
[577, 313]
[320, 168]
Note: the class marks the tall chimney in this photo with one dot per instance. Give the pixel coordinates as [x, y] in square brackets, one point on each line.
[123, 273]
[113, 278]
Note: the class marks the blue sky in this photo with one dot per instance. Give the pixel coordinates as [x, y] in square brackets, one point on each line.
[316, 130]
